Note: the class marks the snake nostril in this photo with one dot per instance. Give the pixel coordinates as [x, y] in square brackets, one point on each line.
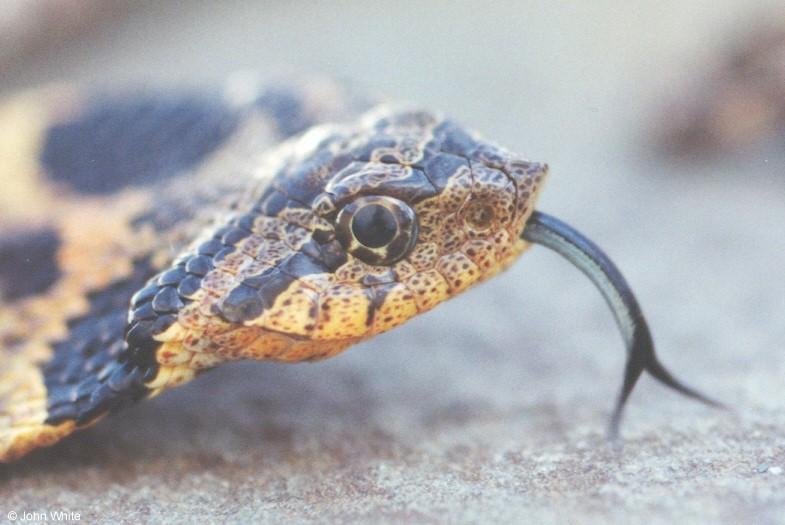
[479, 215]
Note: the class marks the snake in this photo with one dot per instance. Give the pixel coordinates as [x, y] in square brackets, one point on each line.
[150, 235]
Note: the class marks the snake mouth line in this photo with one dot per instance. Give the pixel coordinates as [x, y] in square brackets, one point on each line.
[591, 260]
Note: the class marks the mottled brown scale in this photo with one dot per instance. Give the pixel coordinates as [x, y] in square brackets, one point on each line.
[244, 258]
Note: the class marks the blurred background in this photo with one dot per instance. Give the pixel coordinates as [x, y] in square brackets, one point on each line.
[664, 125]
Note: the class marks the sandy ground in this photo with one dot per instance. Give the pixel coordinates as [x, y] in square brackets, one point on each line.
[491, 408]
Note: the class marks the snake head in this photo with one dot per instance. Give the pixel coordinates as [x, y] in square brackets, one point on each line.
[352, 230]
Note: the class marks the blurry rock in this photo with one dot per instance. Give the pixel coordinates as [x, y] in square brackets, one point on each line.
[740, 102]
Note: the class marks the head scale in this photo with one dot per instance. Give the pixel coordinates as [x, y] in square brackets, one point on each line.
[361, 228]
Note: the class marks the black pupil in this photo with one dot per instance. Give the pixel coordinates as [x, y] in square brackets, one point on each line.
[374, 226]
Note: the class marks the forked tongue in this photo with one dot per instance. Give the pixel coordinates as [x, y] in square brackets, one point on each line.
[590, 259]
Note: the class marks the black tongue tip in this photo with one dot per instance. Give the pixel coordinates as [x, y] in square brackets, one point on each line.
[632, 373]
[597, 266]
[656, 369]
[636, 365]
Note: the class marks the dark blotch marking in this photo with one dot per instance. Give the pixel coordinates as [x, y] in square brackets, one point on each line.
[167, 301]
[167, 210]
[171, 277]
[121, 380]
[234, 235]
[300, 264]
[323, 236]
[28, 263]
[119, 142]
[210, 247]
[144, 313]
[376, 296]
[454, 139]
[308, 173]
[372, 280]
[275, 286]
[273, 203]
[218, 257]
[333, 254]
[189, 286]
[286, 109]
[246, 222]
[144, 295]
[199, 265]
[241, 304]
[311, 249]
[364, 254]
[443, 166]
[93, 370]
[251, 298]
[257, 281]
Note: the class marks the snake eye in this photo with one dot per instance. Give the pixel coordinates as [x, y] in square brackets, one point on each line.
[377, 230]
